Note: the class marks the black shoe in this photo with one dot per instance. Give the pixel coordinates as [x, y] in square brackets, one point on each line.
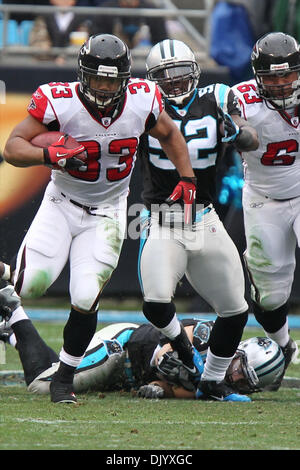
[289, 351]
[5, 332]
[62, 392]
[218, 391]
[184, 348]
[9, 302]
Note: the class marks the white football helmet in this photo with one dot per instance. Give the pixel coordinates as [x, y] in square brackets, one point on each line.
[257, 364]
[172, 65]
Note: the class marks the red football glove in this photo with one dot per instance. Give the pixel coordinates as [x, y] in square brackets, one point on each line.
[58, 157]
[186, 191]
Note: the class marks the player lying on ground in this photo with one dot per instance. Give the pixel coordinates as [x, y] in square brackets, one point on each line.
[132, 357]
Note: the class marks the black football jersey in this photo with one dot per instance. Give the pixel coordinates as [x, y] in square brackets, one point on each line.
[198, 122]
[144, 340]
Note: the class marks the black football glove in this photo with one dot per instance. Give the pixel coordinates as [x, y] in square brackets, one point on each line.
[172, 370]
[231, 130]
[9, 302]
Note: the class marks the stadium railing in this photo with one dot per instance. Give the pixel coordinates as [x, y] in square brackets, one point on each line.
[14, 36]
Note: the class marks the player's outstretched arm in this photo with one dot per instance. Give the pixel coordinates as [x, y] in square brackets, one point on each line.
[237, 131]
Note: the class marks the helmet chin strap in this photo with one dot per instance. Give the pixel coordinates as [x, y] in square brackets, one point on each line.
[111, 110]
[290, 102]
[181, 101]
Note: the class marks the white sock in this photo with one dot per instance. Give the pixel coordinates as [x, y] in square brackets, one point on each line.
[215, 367]
[172, 329]
[281, 336]
[12, 340]
[66, 358]
[17, 315]
[6, 273]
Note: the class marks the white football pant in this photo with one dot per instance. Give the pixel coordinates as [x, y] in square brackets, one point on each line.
[62, 231]
[207, 256]
[272, 231]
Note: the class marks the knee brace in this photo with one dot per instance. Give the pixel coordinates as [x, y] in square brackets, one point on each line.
[159, 314]
[271, 320]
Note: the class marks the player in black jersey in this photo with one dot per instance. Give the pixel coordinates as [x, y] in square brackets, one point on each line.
[209, 119]
[134, 357]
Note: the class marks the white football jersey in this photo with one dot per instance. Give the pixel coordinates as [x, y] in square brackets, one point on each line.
[111, 144]
[274, 168]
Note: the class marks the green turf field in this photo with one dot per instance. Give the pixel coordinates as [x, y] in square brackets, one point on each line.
[120, 421]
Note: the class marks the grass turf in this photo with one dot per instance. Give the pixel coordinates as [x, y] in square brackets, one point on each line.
[119, 421]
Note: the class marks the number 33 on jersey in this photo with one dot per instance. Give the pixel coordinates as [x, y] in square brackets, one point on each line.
[111, 143]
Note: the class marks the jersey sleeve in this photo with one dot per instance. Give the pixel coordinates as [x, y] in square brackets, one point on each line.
[226, 100]
[40, 106]
[247, 96]
[157, 108]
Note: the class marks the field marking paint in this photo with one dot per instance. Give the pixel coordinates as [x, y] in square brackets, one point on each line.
[175, 423]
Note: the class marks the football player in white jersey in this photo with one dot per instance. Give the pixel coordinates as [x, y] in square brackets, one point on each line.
[271, 194]
[208, 118]
[83, 214]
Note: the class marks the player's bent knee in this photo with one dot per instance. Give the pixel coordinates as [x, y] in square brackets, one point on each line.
[87, 289]
[159, 292]
[273, 300]
[86, 301]
[33, 285]
[104, 275]
[41, 384]
[102, 376]
[159, 313]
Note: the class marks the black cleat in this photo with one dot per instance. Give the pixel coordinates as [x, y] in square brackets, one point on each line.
[184, 348]
[5, 332]
[218, 391]
[289, 351]
[9, 302]
[62, 392]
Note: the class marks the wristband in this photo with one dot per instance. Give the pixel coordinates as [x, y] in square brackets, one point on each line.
[189, 179]
[244, 140]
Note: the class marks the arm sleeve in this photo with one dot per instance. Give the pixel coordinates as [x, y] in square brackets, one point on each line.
[225, 99]
[40, 107]
[157, 107]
